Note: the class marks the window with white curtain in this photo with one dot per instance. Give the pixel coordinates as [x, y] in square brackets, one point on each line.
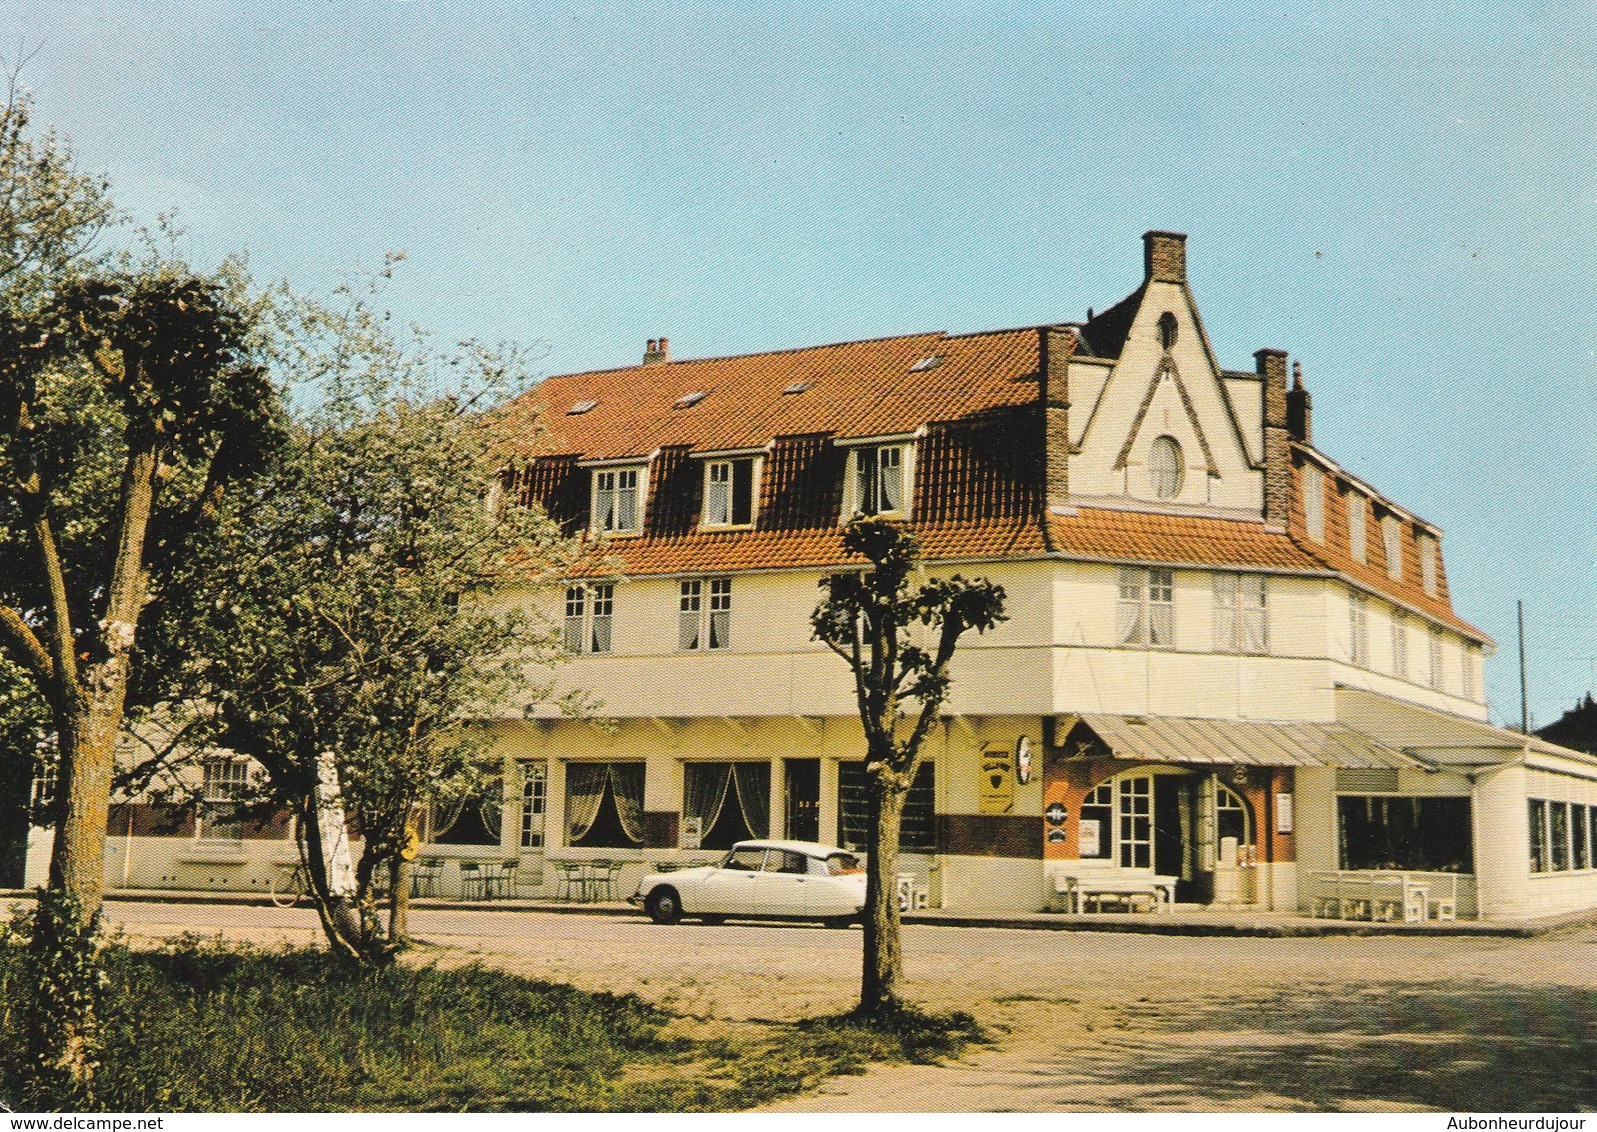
[590, 618]
[1358, 629]
[1145, 614]
[617, 496]
[1314, 501]
[1392, 534]
[1241, 622]
[878, 484]
[1399, 644]
[727, 802]
[704, 619]
[1356, 511]
[604, 805]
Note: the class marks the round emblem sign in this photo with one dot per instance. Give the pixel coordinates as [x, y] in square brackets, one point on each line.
[1023, 760]
[1056, 837]
[1055, 813]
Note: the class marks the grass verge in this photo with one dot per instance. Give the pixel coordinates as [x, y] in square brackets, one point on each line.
[199, 1026]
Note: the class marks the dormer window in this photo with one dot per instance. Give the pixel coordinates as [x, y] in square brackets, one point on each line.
[1428, 564]
[1166, 467]
[729, 492]
[618, 500]
[1355, 526]
[878, 480]
[1314, 502]
[1392, 535]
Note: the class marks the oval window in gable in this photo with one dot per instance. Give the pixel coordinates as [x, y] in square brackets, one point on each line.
[1166, 467]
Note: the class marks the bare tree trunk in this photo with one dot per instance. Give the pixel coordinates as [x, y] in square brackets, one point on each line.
[884, 955]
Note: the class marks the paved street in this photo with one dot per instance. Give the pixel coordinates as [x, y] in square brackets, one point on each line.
[1086, 1020]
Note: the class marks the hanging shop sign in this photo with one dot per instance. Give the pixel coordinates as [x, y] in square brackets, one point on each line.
[1023, 760]
[997, 779]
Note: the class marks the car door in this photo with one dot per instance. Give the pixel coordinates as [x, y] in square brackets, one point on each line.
[835, 887]
[780, 888]
[729, 889]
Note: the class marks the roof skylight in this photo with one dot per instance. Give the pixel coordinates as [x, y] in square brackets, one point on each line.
[796, 387]
[580, 407]
[688, 400]
[931, 362]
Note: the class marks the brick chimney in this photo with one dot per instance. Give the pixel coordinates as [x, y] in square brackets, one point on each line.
[1299, 408]
[657, 352]
[1055, 346]
[1164, 257]
[1271, 365]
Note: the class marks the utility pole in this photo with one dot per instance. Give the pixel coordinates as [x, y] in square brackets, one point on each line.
[1524, 697]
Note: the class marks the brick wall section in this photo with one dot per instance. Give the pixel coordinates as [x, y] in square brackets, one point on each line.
[990, 835]
[1277, 454]
[659, 829]
[1164, 257]
[1056, 344]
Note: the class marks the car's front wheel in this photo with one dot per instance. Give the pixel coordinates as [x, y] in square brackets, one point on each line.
[664, 906]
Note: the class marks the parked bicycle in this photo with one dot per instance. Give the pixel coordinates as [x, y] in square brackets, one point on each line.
[290, 885]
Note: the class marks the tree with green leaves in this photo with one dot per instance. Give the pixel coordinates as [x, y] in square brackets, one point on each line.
[343, 628]
[897, 630]
[128, 400]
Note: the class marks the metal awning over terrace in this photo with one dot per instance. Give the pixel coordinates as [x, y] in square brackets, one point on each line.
[1223, 742]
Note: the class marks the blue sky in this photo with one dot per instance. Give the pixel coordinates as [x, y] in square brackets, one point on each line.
[1402, 196]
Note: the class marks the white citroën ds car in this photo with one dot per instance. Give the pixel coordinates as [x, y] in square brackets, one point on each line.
[774, 880]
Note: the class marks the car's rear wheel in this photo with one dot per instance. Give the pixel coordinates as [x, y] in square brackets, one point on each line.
[664, 906]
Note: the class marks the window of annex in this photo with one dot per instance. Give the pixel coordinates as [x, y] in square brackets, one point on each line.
[1563, 836]
[1241, 616]
[222, 797]
[1145, 614]
[1438, 676]
[704, 614]
[604, 805]
[1399, 643]
[918, 831]
[1418, 834]
[879, 480]
[731, 492]
[618, 494]
[590, 618]
[724, 803]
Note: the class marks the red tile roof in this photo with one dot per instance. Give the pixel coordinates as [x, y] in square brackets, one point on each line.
[852, 389]
[978, 467]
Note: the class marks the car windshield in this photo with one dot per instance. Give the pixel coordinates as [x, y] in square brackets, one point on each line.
[840, 864]
[744, 858]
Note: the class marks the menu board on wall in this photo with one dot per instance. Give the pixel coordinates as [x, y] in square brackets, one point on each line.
[1283, 813]
[1087, 837]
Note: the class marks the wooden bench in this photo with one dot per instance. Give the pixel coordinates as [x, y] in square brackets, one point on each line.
[1079, 888]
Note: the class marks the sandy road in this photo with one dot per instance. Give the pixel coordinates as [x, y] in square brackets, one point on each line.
[1083, 1020]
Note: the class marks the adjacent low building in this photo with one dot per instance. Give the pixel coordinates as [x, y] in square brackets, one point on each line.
[1230, 664]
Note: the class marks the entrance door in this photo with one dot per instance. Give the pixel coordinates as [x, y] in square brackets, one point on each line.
[1173, 829]
[804, 799]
